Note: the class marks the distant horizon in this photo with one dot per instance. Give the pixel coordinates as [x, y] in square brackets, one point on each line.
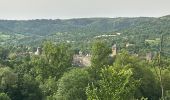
[82, 17]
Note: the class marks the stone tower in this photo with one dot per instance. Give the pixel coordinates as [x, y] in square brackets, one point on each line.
[114, 50]
[149, 56]
[39, 51]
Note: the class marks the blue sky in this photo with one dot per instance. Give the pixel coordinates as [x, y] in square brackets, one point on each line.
[63, 9]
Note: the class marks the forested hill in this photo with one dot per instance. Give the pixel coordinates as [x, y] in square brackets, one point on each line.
[143, 32]
[92, 25]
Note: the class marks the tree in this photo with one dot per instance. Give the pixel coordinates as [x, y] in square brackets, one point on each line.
[59, 57]
[30, 89]
[7, 78]
[72, 85]
[166, 83]
[149, 86]
[49, 87]
[3, 53]
[100, 54]
[4, 96]
[116, 83]
[100, 58]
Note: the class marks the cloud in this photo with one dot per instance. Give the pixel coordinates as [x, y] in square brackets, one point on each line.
[30, 9]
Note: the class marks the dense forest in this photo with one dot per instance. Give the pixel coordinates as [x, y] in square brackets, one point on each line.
[51, 74]
[139, 31]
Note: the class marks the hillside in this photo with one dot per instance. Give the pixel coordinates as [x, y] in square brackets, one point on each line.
[46, 27]
[81, 31]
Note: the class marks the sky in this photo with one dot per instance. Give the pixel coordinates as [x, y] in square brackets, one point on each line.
[66, 9]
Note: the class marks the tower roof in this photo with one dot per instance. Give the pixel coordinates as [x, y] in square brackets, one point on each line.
[114, 46]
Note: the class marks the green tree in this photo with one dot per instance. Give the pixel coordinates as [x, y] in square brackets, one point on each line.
[72, 85]
[116, 83]
[100, 57]
[100, 54]
[49, 87]
[4, 53]
[4, 96]
[7, 78]
[59, 57]
[149, 86]
[30, 89]
[166, 83]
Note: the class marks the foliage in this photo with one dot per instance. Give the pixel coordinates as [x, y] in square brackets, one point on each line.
[72, 85]
[51, 76]
[166, 79]
[4, 96]
[149, 86]
[100, 58]
[29, 89]
[59, 57]
[115, 84]
[49, 87]
[7, 78]
[100, 54]
[80, 32]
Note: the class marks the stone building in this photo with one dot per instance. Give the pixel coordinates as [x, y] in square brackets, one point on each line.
[114, 50]
[39, 51]
[149, 56]
[82, 60]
